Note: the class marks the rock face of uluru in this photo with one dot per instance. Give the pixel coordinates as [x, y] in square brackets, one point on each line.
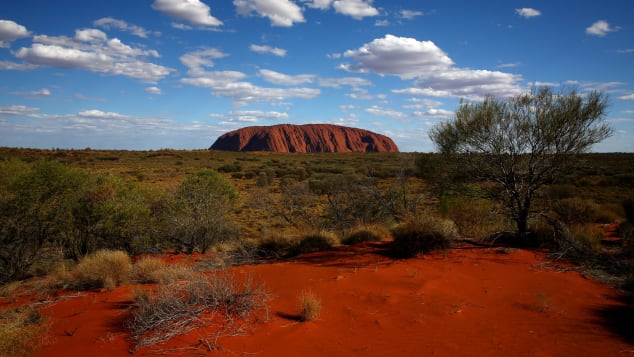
[304, 138]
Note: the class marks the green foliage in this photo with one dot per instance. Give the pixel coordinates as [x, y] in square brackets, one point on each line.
[577, 210]
[522, 143]
[196, 216]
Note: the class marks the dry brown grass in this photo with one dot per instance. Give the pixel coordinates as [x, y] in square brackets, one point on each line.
[146, 270]
[309, 306]
[178, 307]
[22, 331]
[102, 269]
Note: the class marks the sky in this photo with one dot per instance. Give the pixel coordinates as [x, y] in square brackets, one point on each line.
[154, 74]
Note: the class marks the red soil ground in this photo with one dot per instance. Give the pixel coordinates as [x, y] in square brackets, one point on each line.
[466, 302]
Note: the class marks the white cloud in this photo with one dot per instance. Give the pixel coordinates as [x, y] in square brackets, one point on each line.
[528, 12]
[357, 9]
[197, 61]
[432, 68]
[625, 50]
[227, 84]
[268, 49]
[98, 114]
[109, 22]
[601, 28]
[153, 90]
[250, 116]
[319, 4]
[508, 65]
[13, 66]
[344, 81]
[285, 79]
[400, 56]
[378, 111]
[11, 31]
[91, 50]
[36, 93]
[627, 97]
[192, 11]
[283, 13]
[382, 23]
[422, 103]
[18, 111]
[434, 113]
[410, 14]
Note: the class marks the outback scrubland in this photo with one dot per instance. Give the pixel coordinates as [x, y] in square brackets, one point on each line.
[168, 235]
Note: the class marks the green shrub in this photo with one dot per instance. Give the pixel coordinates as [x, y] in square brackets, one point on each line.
[576, 210]
[102, 269]
[422, 236]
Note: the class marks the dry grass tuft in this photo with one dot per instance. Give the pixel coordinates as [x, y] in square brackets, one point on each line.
[102, 269]
[146, 270]
[178, 307]
[423, 235]
[22, 331]
[309, 306]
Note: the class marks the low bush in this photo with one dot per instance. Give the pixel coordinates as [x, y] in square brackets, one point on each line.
[315, 243]
[102, 269]
[373, 233]
[145, 270]
[422, 236]
[576, 210]
[22, 331]
[309, 306]
[176, 308]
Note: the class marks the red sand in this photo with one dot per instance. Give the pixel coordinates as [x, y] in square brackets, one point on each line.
[467, 302]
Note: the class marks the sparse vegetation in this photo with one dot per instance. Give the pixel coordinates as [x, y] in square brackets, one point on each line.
[422, 235]
[102, 269]
[309, 306]
[177, 307]
[22, 331]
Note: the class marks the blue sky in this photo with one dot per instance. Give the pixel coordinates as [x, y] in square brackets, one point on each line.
[151, 74]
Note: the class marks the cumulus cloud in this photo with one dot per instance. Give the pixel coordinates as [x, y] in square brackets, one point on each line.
[250, 116]
[197, 61]
[91, 50]
[285, 79]
[422, 103]
[357, 9]
[268, 49]
[434, 113]
[193, 11]
[601, 28]
[13, 66]
[400, 56]
[110, 23]
[18, 111]
[434, 72]
[627, 97]
[283, 13]
[153, 90]
[527, 12]
[382, 112]
[11, 31]
[229, 84]
[344, 81]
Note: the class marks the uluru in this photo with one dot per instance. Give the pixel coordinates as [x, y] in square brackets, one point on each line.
[303, 139]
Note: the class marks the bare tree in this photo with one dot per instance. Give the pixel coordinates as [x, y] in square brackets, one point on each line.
[524, 142]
